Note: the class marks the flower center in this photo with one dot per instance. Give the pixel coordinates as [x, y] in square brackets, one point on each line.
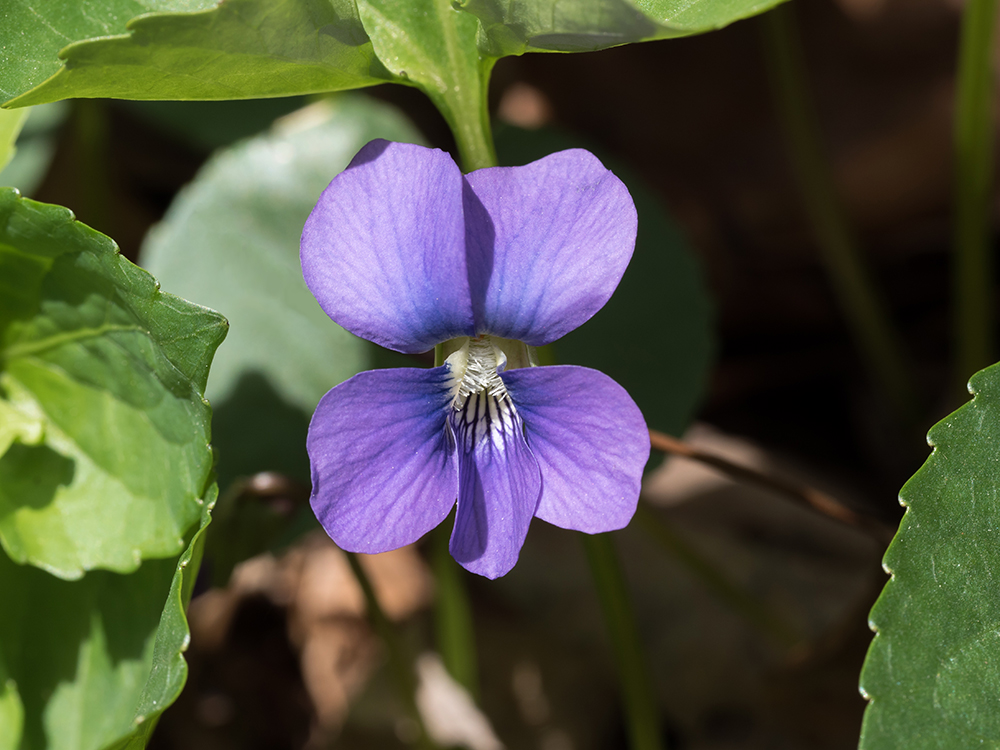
[481, 405]
[483, 359]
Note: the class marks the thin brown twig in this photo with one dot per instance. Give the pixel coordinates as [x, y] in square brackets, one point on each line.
[804, 495]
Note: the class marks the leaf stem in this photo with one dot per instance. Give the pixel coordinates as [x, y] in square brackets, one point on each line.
[973, 274]
[640, 704]
[400, 663]
[849, 275]
[470, 124]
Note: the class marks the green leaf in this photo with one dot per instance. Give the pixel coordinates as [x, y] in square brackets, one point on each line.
[931, 673]
[10, 126]
[264, 48]
[655, 336]
[33, 33]
[513, 28]
[91, 664]
[238, 49]
[240, 221]
[108, 458]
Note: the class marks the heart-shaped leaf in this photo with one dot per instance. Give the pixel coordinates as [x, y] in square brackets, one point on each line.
[91, 664]
[105, 428]
[931, 673]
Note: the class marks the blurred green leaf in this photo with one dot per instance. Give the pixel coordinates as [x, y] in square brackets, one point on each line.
[10, 126]
[36, 145]
[91, 664]
[207, 126]
[231, 241]
[931, 673]
[655, 336]
[238, 49]
[513, 28]
[102, 377]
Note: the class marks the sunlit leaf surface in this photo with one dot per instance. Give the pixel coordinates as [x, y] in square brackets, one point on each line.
[105, 430]
[239, 49]
[262, 48]
[240, 222]
[33, 32]
[512, 28]
[932, 673]
[91, 664]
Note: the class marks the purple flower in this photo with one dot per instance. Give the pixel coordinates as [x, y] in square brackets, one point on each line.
[404, 250]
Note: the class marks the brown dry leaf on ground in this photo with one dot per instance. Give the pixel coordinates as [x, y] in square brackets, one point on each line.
[326, 615]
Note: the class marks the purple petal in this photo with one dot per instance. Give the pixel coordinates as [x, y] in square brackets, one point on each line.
[548, 243]
[498, 487]
[384, 469]
[383, 252]
[590, 442]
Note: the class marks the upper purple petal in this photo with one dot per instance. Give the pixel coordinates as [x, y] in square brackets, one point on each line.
[547, 243]
[498, 487]
[590, 442]
[383, 251]
[384, 469]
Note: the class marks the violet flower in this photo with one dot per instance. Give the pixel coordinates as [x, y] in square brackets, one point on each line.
[404, 250]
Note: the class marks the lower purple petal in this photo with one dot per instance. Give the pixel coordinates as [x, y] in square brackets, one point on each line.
[384, 469]
[498, 487]
[590, 442]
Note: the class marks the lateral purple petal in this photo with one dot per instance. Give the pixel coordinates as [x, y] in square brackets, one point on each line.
[547, 242]
[384, 468]
[383, 251]
[590, 442]
[497, 496]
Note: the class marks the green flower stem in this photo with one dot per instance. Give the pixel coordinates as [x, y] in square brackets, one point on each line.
[453, 614]
[92, 134]
[399, 661]
[973, 276]
[640, 704]
[740, 601]
[852, 282]
[453, 625]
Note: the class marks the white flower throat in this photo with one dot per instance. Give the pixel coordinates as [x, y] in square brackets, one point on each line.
[479, 374]
[481, 405]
